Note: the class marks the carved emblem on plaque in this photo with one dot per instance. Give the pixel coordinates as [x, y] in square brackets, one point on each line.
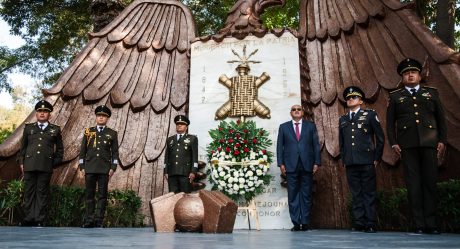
[243, 88]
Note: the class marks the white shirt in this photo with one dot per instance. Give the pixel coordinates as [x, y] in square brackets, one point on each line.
[409, 88]
[44, 125]
[349, 114]
[99, 127]
[178, 136]
[299, 123]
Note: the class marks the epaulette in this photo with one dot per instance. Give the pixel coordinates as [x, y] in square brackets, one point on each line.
[397, 90]
[29, 123]
[430, 87]
[54, 125]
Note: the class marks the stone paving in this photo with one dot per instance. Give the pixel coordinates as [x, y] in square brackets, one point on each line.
[50, 238]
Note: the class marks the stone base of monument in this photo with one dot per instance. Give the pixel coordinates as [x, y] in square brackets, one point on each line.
[205, 211]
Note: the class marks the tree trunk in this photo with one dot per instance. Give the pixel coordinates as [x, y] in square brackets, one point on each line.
[445, 21]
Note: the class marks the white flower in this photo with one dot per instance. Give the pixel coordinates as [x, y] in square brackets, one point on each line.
[250, 173]
[222, 173]
[226, 156]
[233, 159]
[241, 180]
[229, 185]
[222, 153]
[230, 191]
[242, 192]
[236, 187]
[215, 174]
[250, 184]
[219, 169]
[235, 174]
[222, 183]
[265, 157]
[230, 179]
[220, 187]
[256, 178]
[259, 172]
[226, 177]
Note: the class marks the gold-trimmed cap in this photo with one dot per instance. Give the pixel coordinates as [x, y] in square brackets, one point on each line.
[103, 110]
[353, 91]
[409, 64]
[43, 105]
[181, 119]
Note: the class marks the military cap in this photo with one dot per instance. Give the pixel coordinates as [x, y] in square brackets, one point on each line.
[181, 119]
[353, 91]
[44, 105]
[103, 110]
[409, 64]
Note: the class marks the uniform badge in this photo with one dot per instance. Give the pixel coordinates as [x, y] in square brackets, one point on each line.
[52, 131]
[187, 141]
[365, 113]
[377, 119]
[365, 130]
[171, 142]
[402, 98]
[359, 126]
[427, 95]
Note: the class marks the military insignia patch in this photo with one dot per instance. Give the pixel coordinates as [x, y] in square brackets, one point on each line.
[427, 95]
[365, 113]
[402, 98]
[187, 141]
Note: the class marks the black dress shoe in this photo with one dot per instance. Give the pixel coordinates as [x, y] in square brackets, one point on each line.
[305, 227]
[88, 225]
[358, 228]
[98, 225]
[418, 230]
[370, 230]
[432, 231]
[295, 228]
[39, 224]
[25, 223]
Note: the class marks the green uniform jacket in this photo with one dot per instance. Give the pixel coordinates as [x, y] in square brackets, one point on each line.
[416, 121]
[41, 150]
[99, 151]
[181, 156]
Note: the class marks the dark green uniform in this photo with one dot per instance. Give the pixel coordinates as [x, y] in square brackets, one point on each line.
[417, 124]
[41, 151]
[361, 143]
[181, 159]
[98, 154]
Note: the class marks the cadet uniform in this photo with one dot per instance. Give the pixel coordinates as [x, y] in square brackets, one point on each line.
[361, 142]
[98, 154]
[41, 151]
[181, 159]
[416, 122]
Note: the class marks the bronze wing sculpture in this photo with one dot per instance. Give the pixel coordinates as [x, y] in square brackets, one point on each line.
[139, 66]
[360, 42]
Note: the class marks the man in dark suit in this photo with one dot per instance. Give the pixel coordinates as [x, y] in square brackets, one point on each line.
[41, 151]
[181, 158]
[416, 130]
[361, 143]
[98, 161]
[298, 155]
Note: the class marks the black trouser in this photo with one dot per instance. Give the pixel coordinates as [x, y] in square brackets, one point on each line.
[178, 183]
[421, 172]
[362, 184]
[102, 181]
[36, 193]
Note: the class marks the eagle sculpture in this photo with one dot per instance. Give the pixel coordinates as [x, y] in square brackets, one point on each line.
[139, 66]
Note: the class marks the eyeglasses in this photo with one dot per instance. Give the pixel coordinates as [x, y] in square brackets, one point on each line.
[296, 109]
[352, 97]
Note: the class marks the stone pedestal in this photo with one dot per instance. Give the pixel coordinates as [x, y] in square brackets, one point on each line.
[279, 58]
[161, 210]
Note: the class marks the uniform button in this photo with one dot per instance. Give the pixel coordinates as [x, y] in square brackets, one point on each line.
[176, 162]
[414, 97]
[352, 136]
[99, 136]
[352, 130]
[98, 142]
[97, 154]
[404, 127]
[41, 132]
[177, 155]
[352, 123]
[39, 138]
[353, 144]
[415, 105]
[430, 126]
[177, 149]
[39, 145]
[97, 148]
[417, 121]
[416, 113]
[38, 152]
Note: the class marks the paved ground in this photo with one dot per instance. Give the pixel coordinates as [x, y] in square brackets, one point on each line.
[50, 238]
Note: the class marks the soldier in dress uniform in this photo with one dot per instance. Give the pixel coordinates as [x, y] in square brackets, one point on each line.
[361, 142]
[41, 151]
[98, 161]
[416, 130]
[181, 158]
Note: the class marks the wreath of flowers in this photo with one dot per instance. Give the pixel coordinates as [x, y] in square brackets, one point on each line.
[239, 159]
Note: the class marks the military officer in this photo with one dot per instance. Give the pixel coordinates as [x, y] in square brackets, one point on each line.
[181, 158]
[361, 142]
[41, 151]
[98, 161]
[416, 130]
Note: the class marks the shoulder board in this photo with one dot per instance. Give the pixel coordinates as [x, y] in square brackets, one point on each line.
[30, 123]
[53, 125]
[430, 87]
[397, 90]
[370, 110]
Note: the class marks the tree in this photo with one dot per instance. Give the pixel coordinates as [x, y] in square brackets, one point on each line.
[55, 31]
[12, 118]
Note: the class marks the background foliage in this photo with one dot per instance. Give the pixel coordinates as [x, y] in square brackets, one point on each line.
[67, 207]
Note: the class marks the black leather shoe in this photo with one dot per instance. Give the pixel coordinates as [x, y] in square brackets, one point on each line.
[358, 228]
[25, 223]
[98, 224]
[418, 230]
[370, 230]
[39, 224]
[88, 225]
[432, 231]
[305, 227]
[295, 228]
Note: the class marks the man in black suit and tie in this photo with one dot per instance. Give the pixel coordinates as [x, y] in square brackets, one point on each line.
[416, 129]
[298, 156]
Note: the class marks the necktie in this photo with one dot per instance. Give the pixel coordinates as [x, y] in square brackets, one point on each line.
[352, 115]
[101, 129]
[41, 126]
[413, 91]
[297, 131]
[180, 136]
